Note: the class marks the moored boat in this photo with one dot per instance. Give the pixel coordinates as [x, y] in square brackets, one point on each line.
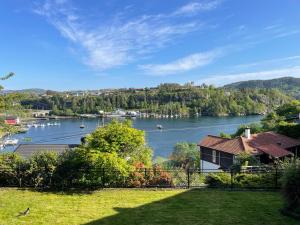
[11, 142]
[158, 126]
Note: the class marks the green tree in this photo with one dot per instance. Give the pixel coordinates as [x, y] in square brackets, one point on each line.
[121, 138]
[185, 155]
[254, 127]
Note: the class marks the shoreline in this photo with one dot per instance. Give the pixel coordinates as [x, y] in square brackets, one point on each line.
[140, 117]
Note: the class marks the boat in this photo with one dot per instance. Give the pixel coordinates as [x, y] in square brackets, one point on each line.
[11, 142]
[23, 130]
[2, 146]
[158, 126]
[82, 124]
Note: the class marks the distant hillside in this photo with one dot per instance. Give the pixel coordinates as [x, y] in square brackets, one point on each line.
[289, 85]
[37, 91]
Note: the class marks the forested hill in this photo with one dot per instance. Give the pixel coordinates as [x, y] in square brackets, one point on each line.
[289, 85]
[171, 99]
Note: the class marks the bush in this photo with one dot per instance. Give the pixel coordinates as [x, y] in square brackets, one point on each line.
[143, 177]
[244, 159]
[40, 169]
[220, 179]
[246, 180]
[291, 186]
[89, 168]
[242, 180]
[12, 169]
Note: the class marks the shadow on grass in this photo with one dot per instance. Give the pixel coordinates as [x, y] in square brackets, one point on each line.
[195, 207]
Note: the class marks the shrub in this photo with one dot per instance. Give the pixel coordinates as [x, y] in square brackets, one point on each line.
[220, 179]
[160, 178]
[143, 177]
[40, 169]
[12, 169]
[248, 180]
[291, 186]
[81, 167]
[244, 159]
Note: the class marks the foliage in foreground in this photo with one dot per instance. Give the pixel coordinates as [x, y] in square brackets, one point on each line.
[291, 187]
[241, 180]
[108, 157]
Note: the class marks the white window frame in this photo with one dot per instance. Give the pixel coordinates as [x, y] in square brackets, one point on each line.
[214, 156]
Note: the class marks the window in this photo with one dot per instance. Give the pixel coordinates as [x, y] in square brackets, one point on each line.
[214, 156]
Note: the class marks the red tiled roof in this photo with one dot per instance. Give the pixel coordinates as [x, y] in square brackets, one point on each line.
[274, 150]
[267, 138]
[233, 146]
[270, 143]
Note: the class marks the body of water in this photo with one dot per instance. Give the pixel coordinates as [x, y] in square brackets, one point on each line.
[162, 141]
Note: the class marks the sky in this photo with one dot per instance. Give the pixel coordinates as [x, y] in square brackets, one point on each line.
[95, 44]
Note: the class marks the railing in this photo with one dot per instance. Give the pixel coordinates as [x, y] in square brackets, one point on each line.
[146, 178]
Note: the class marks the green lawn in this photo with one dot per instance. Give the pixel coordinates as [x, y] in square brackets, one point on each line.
[141, 207]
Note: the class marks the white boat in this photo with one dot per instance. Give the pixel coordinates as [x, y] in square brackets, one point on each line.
[35, 125]
[11, 142]
[158, 126]
[23, 130]
[2, 146]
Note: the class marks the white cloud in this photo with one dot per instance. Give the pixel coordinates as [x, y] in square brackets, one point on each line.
[113, 44]
[194, 7]
[259, 75]
[291, 60]
[182, 65]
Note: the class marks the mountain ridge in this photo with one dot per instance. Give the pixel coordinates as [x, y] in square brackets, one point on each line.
[288, 85]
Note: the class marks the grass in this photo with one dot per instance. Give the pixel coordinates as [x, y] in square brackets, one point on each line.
[142, 207]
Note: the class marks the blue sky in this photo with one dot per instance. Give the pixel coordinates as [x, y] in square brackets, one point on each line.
[93, 44]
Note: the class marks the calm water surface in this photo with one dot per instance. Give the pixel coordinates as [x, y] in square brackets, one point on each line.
[162, 141]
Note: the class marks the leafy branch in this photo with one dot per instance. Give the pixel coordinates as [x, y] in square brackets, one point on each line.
[7, 76]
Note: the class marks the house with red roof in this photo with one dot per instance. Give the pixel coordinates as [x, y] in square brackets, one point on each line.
[12, 120]
[266, 147]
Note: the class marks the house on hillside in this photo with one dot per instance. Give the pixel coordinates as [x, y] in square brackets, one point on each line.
[266, 147]
[40, 113]
[12, 120]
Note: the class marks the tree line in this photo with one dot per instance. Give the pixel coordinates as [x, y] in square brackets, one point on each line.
[284, 119]
[166, 99]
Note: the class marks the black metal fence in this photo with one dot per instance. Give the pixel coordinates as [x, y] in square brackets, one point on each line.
[254, 178]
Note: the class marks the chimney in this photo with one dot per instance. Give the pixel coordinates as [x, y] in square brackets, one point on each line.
[247, 133]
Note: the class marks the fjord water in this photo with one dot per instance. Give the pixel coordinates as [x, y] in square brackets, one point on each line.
[162, 141]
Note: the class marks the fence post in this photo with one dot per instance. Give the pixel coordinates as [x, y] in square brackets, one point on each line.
[188, 177]
[103, 177]
[276, 177]
[231, 178]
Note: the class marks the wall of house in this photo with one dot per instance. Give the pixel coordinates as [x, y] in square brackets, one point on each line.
[295, 151]
[223, 159]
